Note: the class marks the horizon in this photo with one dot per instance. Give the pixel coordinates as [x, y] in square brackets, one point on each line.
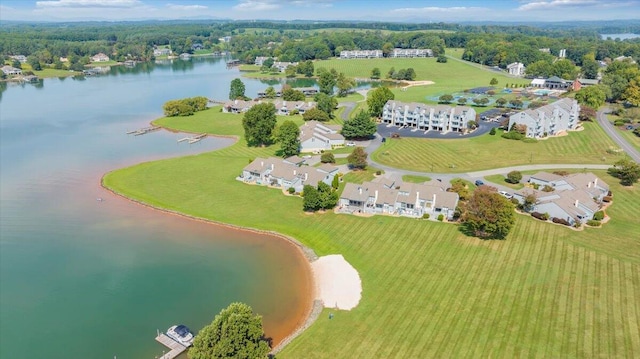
[404, 11]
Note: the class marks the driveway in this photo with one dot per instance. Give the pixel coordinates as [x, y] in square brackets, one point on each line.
[386, 130]
[613, 133]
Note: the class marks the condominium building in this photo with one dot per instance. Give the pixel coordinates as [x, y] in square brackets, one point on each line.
[550, 120]
[440, 118]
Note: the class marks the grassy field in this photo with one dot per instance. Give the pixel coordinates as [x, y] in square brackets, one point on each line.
[428, 290]
[486, 151]
[415, 179]
[631, 138]
[501, 180]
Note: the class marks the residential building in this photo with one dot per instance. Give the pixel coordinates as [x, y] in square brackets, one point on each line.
[574, 198]
[316, 137]
[580, 83]
[21, 58]
[550, 120]
[285, 108]
[360, 54]
[196, 46]
[261, 59]
[10, 70]
[537, 83]
[516, 69]
[546, 50]
[100, 57]
[625, 58]
[307, 91]
[282, 66]
[562, 53]
[238, 106]
[161, 51]
[225, 39]
[411, 53]
[393, 197]
[552, 83]
[287, 173]
[441, 118]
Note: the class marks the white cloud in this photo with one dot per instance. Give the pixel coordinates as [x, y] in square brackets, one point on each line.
[88, 3]
[557, 4]
[434, 9]
[263, 5]
[186, 7]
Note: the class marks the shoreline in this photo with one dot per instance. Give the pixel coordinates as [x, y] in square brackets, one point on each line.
[315, 307]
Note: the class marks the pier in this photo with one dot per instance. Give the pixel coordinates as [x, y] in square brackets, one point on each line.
[143, 131]
[175, 347]
[193, 139]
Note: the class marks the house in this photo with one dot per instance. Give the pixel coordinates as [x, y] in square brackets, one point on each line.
[10, 70]
[282, 66]
[625, 58]
[21, 58]
[238, 106]
[261, 59]
[225, 39]
[360, 54]
[580, 83]
[285, 108]
[556, 83]
[574, 198]
[287, 173]
[546, 50]
[441, 118]
[316, 136]
[562, 53]
[307, 91]
[100, 57]
[539, 83]
[516, 69]
[196, 46]
[392, 197]
[550, 120]
[161, 51]
[411, 53]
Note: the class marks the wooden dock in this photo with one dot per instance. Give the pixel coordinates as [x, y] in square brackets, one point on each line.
[143, 131]
[193, 139]
[175, 347]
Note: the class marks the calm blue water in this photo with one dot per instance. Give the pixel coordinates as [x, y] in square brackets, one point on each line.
[81, 278]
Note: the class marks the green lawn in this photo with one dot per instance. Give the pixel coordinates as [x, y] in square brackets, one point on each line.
[415, 179]
[486, 151]
[428, 290]
[501, 180]
[631, 138]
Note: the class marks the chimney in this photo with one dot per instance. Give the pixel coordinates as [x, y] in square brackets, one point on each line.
[375, 199]
[576, 204]
[294, 172]
[433, 203]
[589, 185]
[272, 166]
[595, 182]
[306, 176]
[360, 190]
[261, 163]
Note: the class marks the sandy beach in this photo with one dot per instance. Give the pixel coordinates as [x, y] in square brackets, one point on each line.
[337, 282]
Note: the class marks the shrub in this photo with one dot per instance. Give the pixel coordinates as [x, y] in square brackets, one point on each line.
[291, 190]
[327, 157]
[547, 188]
[441, 217]
[515, 201]
[561, 221]
[593, 223]
[598, 216]
[607, 199]
[514, 177]
[493, 131]
[513, 135]
[561, 173]
[378, 173]
[425, 216]
[540, 216]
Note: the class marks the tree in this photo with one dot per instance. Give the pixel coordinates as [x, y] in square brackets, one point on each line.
[626, 170]
[441, 59]
[472, 125]
[493, 131]
[387, 49]
[516, 103]
[288, 135]
[290, 94]
[375, 73]
[327, 157]
[234, 333]
[310, 198]
[458, 186]
[377, 99]
[290, 71]
[270, 92]
[358, 158]
[335, 183]
[501, 102]
[322, 197]
[488, 215]
[494, 81]
[445, 98]
[632, 93]
[462, 100]
[410, 74]
[259, 123]
[315, 114]
[514, 177]
[391, 72]
[326, 103]
[592, 96]
[185, 107]
[267, 64]
[345, 84]
[587, 113]
[360, 127]
[327, 80]
[305, 68]
[237, 89]
[35, 63]
[590, 69]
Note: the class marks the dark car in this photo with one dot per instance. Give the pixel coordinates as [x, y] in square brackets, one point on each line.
[479, 183]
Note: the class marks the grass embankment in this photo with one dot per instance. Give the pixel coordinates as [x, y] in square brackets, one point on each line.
[486, 151]
[428, 290]
[415, 179]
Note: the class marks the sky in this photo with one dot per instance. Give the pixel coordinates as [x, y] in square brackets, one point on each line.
[450, 11]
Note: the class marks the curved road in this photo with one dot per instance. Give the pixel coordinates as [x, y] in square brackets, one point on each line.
[613, 133]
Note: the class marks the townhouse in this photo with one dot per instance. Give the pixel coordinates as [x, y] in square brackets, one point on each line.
[411, 53]
[287, 173]
[316, 137]
[393, 197]
[441, 118]
[361, 54]
[550, 120]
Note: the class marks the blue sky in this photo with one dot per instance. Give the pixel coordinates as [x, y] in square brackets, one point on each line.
[399, 10]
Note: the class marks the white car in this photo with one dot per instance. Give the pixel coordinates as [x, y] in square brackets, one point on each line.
[351, 144]
[506, 194]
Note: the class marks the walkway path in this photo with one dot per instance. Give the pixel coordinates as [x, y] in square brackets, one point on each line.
[613, 133]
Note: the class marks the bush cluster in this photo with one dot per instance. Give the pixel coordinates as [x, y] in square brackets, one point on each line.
[540, 216]
[185, 107]
[593, 223]
[561, 221]
[513, 135]
[598, 216]
[607, 199]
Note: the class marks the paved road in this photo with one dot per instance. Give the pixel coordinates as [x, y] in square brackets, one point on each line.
[348, 107]
[613, 133]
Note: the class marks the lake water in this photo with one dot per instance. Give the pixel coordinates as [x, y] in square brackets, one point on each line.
[619, 36]
[82, 278]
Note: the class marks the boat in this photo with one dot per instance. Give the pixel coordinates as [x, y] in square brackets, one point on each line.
[181, 334]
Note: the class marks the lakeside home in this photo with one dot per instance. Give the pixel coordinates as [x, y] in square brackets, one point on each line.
[283, 108]
[360, 54]
[307, 91]
[393, 197]
[291, 172]
[411, 53]
[10, 70]
[549, 120]
[99, 57]
[574, 198]
[316, 137]
[441, 118]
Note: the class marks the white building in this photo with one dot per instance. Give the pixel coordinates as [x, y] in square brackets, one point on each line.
[412, 53]
[285, 108]
[516, 69]
[550, 120]
[10, 70]
[261, 59]
[282, 66]
[316, 136]
[440, 118]
[288, 173]
[100, 57]
[161, 51]
[360, 54]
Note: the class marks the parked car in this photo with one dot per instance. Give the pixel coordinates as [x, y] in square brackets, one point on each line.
[351, 144]
[506, 194]
[479, 183]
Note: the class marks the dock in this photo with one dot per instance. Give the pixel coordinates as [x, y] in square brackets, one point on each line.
[143, 131]
[175, 347]
[193, 139]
